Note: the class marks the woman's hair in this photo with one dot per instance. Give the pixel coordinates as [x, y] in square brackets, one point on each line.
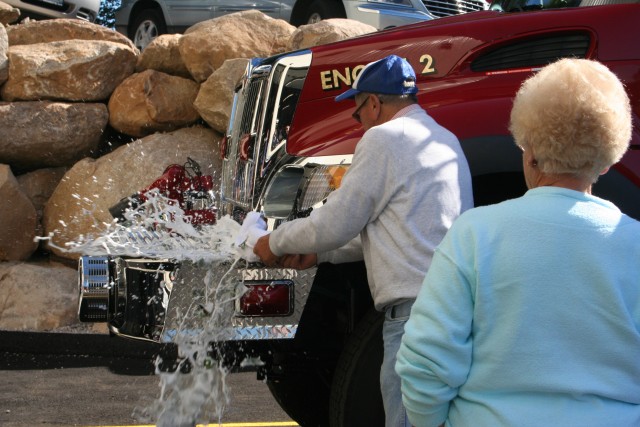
[574, 115]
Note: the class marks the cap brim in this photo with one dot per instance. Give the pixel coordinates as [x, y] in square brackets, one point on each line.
[347, 94]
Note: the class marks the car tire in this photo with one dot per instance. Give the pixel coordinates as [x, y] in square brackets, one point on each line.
[323, 9]
[147, 25]
[356, 399]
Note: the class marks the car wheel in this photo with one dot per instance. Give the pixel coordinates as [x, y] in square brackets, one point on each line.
[356, 399]
[147, 25]
[324, 9]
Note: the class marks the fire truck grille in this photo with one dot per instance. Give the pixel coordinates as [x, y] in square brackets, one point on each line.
[442, 8]
[238, 174]
[250, 107]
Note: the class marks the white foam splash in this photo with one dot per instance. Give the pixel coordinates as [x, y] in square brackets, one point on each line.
[159, 229]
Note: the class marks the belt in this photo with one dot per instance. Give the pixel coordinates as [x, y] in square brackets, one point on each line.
[401, 310]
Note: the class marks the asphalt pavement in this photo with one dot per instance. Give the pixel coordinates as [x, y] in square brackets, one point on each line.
[69, 379]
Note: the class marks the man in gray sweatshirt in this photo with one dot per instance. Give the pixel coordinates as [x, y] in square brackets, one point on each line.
[408, 182]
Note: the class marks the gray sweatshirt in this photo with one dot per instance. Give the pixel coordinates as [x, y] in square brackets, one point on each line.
[408, 182]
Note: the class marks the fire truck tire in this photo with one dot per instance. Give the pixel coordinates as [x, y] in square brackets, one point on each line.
[304, 398]
[324, 9]
[356, 399]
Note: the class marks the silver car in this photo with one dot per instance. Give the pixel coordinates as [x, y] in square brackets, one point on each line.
[143, 20]
[86, 10]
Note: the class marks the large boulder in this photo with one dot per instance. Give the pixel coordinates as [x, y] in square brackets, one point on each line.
[327, 31]
[19, 219]
[80, 204]
[206, 45]
[49, 134]
[153, 101]
[163, 54]
[4, 59]
[56, 30]
[215, 97]
[37, 296]
[8, 13]
[38, 186]
[74, 70]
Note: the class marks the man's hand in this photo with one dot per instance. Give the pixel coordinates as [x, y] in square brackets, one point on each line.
[262, 250]
[299, 262]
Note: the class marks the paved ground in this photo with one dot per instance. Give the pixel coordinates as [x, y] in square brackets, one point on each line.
[94, 380]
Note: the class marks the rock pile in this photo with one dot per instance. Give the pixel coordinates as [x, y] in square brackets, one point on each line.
[86, 119]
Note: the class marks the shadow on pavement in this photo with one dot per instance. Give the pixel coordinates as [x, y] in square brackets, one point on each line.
[44, 350]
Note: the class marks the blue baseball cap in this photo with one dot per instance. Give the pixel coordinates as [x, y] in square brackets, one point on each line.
[391, 76]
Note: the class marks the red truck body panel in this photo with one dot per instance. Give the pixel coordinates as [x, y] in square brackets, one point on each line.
[470, 103]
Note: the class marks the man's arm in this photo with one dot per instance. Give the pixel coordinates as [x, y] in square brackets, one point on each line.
[347, 211]
[350, 252]
[298, 261]
[262, 250]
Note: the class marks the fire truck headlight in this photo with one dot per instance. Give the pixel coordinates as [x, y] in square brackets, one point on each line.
[321, 181]
[280, 197]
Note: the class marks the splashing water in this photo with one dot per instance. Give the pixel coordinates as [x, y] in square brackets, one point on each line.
[201, 394]
[159, 229]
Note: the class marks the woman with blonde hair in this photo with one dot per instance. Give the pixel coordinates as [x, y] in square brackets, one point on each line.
[530, 312]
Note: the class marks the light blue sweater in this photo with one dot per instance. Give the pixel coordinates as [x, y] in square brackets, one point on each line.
[529, 316]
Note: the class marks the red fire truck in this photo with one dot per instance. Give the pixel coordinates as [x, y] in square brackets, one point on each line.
[288, 144]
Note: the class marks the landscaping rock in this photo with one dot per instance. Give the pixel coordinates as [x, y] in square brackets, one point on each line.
[40, 296]
[4, 60]
[327, 31]
[44, 134]
[80, 204]
[163, 54]
[19, 219]
[215, 97]
[56, 30]
[38, 186]
[67, 70]
[153, 101]
[8, 14]
[206, 45]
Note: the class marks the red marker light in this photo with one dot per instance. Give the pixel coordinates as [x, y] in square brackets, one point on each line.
[274, 298]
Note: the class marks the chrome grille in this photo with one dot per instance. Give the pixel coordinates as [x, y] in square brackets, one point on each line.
[442, 8]
[94, 288]
[237, 174]
[262, 109]
[95, 277]
[247, 123]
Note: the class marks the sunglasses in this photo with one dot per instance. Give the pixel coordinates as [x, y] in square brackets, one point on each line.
[356, 114]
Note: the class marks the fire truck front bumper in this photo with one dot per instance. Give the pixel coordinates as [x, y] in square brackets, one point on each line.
[164, 300]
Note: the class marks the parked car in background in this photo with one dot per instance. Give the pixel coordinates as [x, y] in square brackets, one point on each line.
[86, 10]
[143, 20]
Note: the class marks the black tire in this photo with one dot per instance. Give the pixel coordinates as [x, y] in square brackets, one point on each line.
[146, 26]
[323, 9]
[304, 398]
[356, 399]
[300, 375]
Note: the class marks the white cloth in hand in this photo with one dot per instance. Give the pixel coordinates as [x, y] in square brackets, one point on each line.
[253, 227]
